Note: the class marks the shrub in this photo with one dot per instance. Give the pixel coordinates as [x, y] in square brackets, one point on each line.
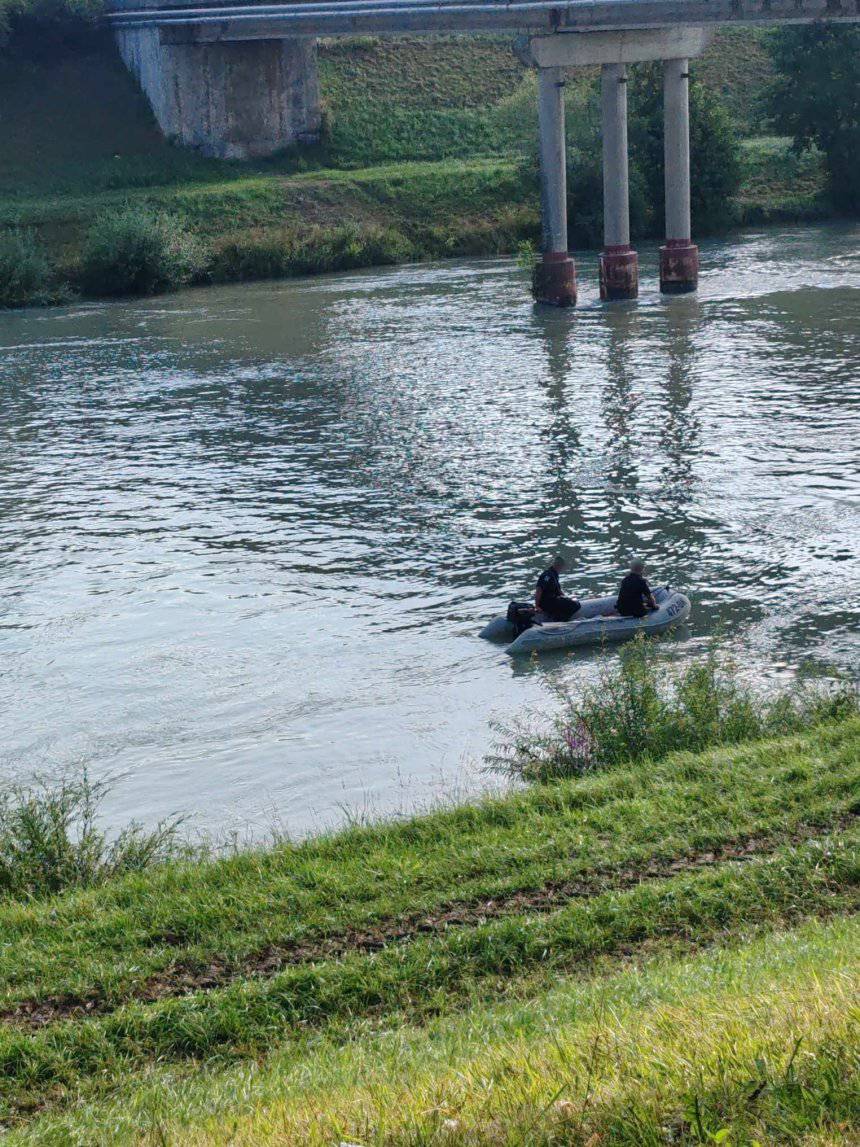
[49, 840]
[315, 251]
[349, 246]
[585, 198]
[641, 708]
[46, 29]
[715, 155]
[25, 273]
[135, 251]
[815, 98]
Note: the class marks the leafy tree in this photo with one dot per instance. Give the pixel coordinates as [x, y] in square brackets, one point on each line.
[715, 167]
[715, 163]
[46, 29]
[816, 99]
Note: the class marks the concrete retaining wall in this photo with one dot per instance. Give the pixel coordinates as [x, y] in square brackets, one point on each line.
[231, 100]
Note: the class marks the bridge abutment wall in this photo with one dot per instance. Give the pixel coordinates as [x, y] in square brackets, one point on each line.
[228, 99]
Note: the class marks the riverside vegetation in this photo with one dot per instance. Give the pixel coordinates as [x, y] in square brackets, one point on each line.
[429, 150]
[659, 945]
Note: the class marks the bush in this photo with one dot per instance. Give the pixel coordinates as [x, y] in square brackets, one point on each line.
[585, 198]
[49, 840]
[347, 247]
[715, 169]
[25, 273]
[641, 708]
[315, 251]
[815, 98]
[135, 251]
[715, 155]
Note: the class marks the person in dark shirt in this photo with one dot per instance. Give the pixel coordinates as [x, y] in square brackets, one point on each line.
[549, 597]
[635, 598]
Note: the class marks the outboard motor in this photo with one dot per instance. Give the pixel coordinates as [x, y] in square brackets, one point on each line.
[521, 616]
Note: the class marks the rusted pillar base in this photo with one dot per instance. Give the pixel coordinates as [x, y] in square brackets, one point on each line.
[554, 280]
[619, 273]
[679, 267]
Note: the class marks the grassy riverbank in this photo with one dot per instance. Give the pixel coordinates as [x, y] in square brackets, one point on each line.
[135, 1006]
[427, 154]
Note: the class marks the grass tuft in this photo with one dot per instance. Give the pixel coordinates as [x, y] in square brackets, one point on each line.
[314, 250]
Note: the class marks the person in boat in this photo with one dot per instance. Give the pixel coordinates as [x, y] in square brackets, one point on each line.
[549, 598]
[635, 598]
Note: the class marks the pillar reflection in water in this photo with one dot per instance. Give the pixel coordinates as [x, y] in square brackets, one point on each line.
[650, 427]
[559, 498]
[680, 427]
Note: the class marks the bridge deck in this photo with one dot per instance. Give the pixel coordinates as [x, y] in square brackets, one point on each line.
[214, 20]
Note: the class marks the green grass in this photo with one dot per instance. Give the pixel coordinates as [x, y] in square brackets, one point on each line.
[781, 185]
[315, 221]
[759, 1038]
[79, 123]
[738, 67]
[679, 1045]
[104, 942]
[396, 922]
[424, 977]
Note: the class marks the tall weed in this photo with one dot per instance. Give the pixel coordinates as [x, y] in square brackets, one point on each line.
[50, 841]
[26, 278]
[643, 708]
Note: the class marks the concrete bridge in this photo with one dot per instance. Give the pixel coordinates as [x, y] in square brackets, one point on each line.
[239, 80]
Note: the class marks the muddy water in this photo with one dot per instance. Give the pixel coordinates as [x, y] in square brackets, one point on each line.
[248, 535]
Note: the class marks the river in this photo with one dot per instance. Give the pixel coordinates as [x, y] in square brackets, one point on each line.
[249, 534]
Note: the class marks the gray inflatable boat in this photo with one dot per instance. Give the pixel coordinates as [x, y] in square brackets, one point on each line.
[588, 627]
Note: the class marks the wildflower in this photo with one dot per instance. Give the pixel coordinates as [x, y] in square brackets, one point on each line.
[579, 744]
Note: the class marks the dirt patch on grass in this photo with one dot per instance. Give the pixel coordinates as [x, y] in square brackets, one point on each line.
[184, 977]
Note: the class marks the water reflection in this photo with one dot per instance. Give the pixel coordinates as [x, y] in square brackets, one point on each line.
[248, 535]
[680, 428]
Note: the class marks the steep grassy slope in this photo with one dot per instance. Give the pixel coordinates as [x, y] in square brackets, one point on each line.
[215, 963]
[754, 1043]
[77, 120]
[433, 133]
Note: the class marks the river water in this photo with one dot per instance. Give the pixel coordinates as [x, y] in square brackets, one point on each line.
[249, 534]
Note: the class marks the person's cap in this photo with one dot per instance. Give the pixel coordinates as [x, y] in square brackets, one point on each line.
[637, 564]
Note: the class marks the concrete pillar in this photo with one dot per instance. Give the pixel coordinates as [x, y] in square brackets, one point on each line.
[619, 266]
[229, 99]
[679, 259]
[554, 279]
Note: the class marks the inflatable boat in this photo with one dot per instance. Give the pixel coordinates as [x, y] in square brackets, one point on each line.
[588, 627]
